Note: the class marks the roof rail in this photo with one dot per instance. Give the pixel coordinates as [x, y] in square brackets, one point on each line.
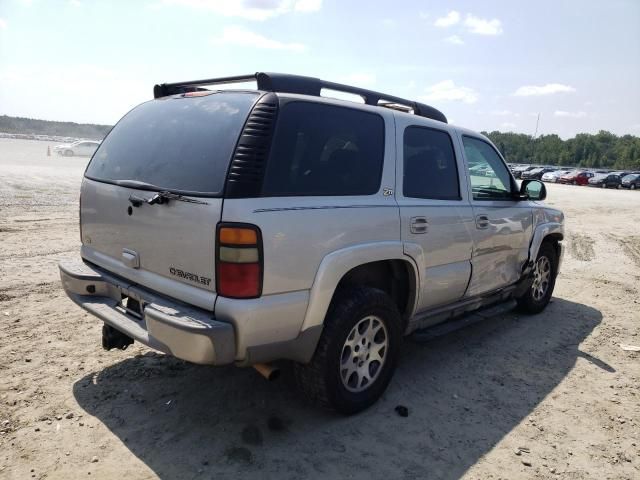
[279, 82]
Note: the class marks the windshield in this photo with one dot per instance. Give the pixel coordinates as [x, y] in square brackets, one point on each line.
[182, 144]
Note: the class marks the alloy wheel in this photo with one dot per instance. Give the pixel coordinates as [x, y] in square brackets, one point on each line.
[364, 353]
[541, 277]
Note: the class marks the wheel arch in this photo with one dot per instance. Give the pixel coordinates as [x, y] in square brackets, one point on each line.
[382, 265]
[547, 232]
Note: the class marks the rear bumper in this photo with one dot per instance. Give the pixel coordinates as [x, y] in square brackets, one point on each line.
[171, 327]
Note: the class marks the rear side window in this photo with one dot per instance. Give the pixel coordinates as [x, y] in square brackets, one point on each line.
[177, 143]
[325, 150]
[430, 169]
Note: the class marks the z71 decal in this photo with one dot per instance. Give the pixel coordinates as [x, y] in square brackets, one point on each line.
[192, 277]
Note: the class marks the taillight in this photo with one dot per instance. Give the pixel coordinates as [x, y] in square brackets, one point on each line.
[238, 260]
[80, 215]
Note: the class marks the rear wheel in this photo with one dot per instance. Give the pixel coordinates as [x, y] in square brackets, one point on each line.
[574, 183]
[357, 352]
[632, 186]
[604, 185]
[544, 280]
[68, 153]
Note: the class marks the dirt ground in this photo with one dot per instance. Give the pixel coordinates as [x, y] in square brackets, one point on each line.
[547, 396]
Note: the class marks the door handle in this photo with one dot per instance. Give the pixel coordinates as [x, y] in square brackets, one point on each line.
[482, 221]
[419, 225]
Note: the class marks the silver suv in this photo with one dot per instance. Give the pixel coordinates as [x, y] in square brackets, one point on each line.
[249, 226]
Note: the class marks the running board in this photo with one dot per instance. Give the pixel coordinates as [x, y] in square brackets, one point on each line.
[429, 333]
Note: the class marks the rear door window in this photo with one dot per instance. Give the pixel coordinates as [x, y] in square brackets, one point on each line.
[430, 169]
[177, 143]
[323, 149]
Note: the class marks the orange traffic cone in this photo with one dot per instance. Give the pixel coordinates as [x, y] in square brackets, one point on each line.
[48, 151]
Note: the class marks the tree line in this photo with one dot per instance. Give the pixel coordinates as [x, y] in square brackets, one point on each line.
[54, 129]
[602, 150]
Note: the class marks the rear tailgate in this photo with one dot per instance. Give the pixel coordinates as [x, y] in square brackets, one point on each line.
[181, 144]
[168, 248]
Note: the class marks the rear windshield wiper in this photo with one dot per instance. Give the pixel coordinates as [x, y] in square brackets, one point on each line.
[161, 196]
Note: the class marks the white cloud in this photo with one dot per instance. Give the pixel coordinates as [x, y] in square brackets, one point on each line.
[3, 24]
[508, 126]
[447, 90]
[483, 26]
[454, 40]
[562, 113]
[75, 3]
[307, 5]
[448, 20]
[241, 37]
[548, 89]
[389, 22]
[424, 15]
[251, 9]
[501, 113]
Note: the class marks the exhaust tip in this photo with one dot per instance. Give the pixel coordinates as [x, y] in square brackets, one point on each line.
[269, 372]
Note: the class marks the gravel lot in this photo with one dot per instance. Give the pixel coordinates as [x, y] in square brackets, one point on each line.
[547, 396]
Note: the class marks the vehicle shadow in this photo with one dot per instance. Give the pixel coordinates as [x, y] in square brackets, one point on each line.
[465, 391]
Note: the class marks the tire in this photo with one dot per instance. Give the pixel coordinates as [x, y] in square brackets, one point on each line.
[353, 312]
[604, 185]
[68, 153]
[632, 186]
[535, 300]
[574, 183]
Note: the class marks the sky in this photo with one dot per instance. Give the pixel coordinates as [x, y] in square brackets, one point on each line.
[490, 65]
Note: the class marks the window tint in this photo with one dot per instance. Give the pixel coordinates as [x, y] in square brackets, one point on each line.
[490, 179]
[325, 150]
[430, 169]
[177, 143]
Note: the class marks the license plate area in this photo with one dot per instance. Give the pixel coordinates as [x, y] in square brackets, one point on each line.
[132, 306]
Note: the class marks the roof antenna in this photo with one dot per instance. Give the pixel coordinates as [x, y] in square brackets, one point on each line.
[533, 139]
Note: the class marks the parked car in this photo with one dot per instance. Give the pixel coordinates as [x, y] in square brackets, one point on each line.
[84, 148]
[535, 173]
[275, 223]
[631, 181]
[480, 171]
[518, 171]
[553, 176]
[605, 180]
[576, 177]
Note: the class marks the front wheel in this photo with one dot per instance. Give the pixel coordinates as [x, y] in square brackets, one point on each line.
[544, 279]
[68, 153]
[632, 186]
[356, 354]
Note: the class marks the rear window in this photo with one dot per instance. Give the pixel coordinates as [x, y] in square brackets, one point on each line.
[181, 144]
[325, 150]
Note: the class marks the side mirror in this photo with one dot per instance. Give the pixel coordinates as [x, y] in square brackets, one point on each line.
[533, 189]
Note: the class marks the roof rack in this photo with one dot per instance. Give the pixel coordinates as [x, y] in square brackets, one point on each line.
[279, 82]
